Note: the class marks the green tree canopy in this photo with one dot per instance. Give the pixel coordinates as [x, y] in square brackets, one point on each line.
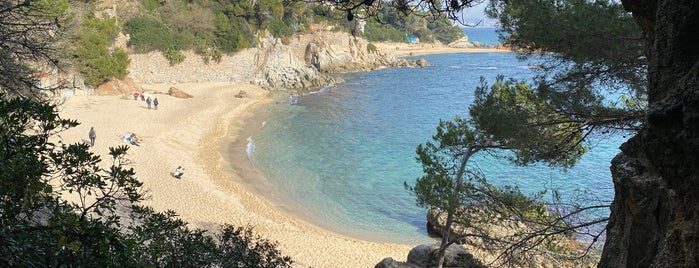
[29, 33]
[593, 54]
[93, 58]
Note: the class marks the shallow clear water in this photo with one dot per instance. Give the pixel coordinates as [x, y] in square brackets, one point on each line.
[340, 156]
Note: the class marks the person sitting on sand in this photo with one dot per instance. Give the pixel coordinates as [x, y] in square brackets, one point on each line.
[178, 172]
[134, 139]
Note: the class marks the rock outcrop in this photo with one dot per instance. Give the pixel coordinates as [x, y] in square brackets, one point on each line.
[654, 219]
[425, 256]
[117, 87]
[464, 43]
[299, 64]
[560, 252]
[279, 69]
[177, 93]
[306, 62]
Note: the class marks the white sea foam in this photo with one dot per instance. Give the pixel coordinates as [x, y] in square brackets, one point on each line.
[250, 149]
[321, 90]
[491, 68]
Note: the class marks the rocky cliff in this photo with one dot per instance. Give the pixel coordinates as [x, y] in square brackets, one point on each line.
[299, 63]
[655, 213]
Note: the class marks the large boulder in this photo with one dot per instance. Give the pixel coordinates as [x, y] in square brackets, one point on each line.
[117, 87]
[454, 256]
[177, 93]
[425, 256]
[391, 263]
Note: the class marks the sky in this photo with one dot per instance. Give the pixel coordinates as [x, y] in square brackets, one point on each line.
[474, 14]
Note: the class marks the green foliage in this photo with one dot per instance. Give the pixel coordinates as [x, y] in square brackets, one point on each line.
[29, 33]
[38, 228]
[174, 56]
[241, 248]
[518, 119]
[46, 9]
[596, 49]
[149, 34]
[279, 28]
[378, 32]
[151, 4]
[444, 31]
[92, 57]
[502, 217]
[389, 25]
[370, 47]
[161, 240]
[41, 228]
[232, 34]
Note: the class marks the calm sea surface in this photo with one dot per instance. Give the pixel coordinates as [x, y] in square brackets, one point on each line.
[483, 35]
[340, 156]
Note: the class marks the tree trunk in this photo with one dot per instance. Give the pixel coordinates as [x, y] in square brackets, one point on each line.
[453, 207]
[654, 220]
[445, 239]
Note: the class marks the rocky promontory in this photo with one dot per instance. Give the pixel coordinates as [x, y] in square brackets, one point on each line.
[294, 64]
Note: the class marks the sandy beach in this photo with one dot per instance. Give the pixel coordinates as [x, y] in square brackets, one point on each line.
[190, 132]
[207, 135]
[405, 49]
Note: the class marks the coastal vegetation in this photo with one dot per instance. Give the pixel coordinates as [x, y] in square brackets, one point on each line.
[60, 206]
[549, 122]
[225, 26]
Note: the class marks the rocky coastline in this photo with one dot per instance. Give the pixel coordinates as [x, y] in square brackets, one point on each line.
[296, 65]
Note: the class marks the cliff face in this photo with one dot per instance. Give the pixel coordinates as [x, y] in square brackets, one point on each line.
[301, 64]
[655, 214]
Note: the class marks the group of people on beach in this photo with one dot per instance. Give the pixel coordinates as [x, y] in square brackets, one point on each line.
[148, 100]
[133, 139]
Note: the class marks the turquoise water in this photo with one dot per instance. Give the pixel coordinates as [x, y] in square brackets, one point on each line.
[340, 156]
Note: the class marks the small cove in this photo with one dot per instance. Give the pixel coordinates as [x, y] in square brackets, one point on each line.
[340, 156]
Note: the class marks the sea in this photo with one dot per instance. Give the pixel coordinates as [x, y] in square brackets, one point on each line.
[339, 157]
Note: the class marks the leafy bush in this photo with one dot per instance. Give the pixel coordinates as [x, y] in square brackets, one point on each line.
[174, 56]
[149, 34]
[444, 31]
[41, 229]
[378, 32]
[279, 28]
[151, 4]
[370, 47]
[92, 57]
[232, 34]
[241, 248]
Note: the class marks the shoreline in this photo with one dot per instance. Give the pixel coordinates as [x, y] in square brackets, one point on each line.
[208, 135]
[193, 133]
[408, 50]
[236, 159]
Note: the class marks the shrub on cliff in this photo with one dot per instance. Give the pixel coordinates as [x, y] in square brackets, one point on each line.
[232, 33]
[149, 34]
[92, 57]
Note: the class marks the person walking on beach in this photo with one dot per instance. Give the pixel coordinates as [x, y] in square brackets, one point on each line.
[155, 103]
[92, 134]
[143, 96]
[135, 95]
[148, 102]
